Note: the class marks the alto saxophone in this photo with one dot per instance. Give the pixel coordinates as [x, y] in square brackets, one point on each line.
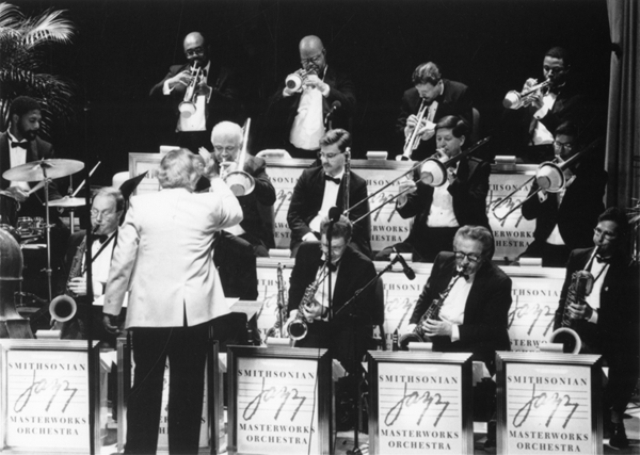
[76, 265]
[298, 328]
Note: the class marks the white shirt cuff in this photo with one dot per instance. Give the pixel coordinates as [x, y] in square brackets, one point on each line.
[455, 332]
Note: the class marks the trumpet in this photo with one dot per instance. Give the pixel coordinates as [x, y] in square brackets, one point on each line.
[298, 328]
[413, 140]
[188, 105]
[516, 100]
[239, 182]
[294, 81]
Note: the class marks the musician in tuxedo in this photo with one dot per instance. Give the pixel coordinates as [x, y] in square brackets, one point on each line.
[442, 97]
[107, 209]
[257, 207]
[474, 313]
[163, 258]
[297, 117]
[217, 94]
[440, 211]
[565, 220]
[607, 319]
[345, 331]
[322, 187]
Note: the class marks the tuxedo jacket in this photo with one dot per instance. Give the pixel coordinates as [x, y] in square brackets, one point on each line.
[37, 150]
[577, 214]
[224, 103]
[617, 330]
[469, 192]
[455, 100]
[484, 328]
[354, 272]
[164, 257]
[282, 110]
[306, 202]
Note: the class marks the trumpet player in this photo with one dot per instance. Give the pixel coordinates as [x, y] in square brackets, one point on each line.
[256, 226]
[440, 211]
[439, 97]
[607, 320]
[565, 220]
[312, 100]
[349, 333]
[216, 95]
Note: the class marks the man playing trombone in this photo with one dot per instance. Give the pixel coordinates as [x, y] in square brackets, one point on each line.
[564, 220]
[210, 89]
[431, 98]
[606, 319]
[439, 211]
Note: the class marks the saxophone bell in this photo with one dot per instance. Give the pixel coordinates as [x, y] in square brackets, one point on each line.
[298, 328]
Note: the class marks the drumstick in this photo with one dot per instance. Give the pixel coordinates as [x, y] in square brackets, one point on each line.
[37, 187]
[84, 181]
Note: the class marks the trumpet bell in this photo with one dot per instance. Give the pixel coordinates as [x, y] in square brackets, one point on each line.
[240, 183]
[63, 308]
[187, 108]
[550, 177]
[293, 82]
[433, 173]
[512, 100]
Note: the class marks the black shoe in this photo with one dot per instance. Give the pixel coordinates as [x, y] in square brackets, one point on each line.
[619, 438]
[490, 443]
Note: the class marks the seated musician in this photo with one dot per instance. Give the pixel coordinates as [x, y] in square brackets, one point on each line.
[565, 220]
[345, 331]
[322, 187]
[440, 211]
[606, 320]
[257, 224]
[442, 97]
[107, 209]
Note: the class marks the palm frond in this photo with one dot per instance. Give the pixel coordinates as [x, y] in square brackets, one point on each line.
[10, 15]
[48, 27]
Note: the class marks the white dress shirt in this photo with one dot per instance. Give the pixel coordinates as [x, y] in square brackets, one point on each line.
[329, 199]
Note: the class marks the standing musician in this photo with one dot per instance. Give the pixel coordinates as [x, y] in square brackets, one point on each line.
[565, 220]
[607, 319]
[107, 209]
[439, 98]
[322, 187]
[212, 89]
[348, 334]
[440, 211]
[473, 316]
[312, 100]
[163, 258]
[257, 224]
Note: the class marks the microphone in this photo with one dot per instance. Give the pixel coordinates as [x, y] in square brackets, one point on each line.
[334, 214]
[408, 271]
[334, 107]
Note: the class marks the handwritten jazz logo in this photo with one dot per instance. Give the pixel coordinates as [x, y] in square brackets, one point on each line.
[47, 388]
[277, 396]
[414, 402]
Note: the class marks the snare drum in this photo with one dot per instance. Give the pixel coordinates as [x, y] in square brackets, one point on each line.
[8, 210]
[25, 225]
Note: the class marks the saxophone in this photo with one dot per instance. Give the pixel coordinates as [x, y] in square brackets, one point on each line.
[76, 265]
[433, 312]
[298, 328]
[278, 328]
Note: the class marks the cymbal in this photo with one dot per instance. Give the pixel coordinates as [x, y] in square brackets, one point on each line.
[68, 202]
[34, 171]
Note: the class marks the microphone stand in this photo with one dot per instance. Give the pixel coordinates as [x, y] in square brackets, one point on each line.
[356, 444]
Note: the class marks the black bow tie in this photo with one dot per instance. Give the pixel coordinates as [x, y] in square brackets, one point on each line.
[24, 144]
[332, 179]
[460, 274]
[602, 260]
[101, 238]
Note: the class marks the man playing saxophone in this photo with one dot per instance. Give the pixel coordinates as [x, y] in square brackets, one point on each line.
[345, 331]
[607, 320]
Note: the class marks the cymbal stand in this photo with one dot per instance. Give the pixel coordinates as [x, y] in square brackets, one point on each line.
[48, 228]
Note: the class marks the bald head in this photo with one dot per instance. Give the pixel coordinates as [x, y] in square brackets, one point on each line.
[196, 49]
[312, 54]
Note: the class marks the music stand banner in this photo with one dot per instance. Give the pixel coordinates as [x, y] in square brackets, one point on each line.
[549, 403]
[45, 396]
[420, 402]
[280, 400]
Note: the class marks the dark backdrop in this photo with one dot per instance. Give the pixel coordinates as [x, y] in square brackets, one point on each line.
[125, 46]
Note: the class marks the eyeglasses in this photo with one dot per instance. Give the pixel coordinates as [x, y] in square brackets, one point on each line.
[560, 145]
[103, 214]
[196, 51]
[229, 149]
[315, 59]
[328, 156]
[470, 256]
[606, 234]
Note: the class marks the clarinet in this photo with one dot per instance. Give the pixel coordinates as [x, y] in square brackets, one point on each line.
[278, 327]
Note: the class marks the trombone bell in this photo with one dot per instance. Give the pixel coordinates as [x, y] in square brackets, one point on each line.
[433, 173]
[550, 177]
[240, 183]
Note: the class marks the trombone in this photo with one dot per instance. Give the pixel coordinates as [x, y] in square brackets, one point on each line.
[433, 172]
[412, 141]
[516, 100]
[239, 182]
[188, 105]
[549, 177]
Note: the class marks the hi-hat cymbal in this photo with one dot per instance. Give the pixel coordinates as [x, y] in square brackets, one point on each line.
[68, 202]
[35, 171]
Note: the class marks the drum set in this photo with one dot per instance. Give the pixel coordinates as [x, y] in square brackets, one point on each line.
[25, 229]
